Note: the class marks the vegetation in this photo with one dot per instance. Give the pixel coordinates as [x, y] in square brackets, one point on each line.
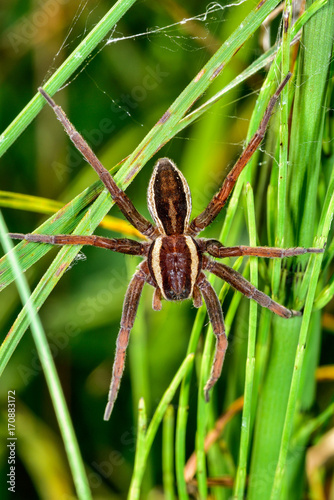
[272, 409]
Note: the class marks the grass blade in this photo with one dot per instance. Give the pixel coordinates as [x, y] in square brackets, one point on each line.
[240, 480]
[145, 445]
[168, 454]
[283, 152]
[300, 353]
[50, 372]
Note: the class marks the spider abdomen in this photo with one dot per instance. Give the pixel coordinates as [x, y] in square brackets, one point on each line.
[174, 262]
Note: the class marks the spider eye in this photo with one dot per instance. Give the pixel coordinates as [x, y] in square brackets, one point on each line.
[168, 197]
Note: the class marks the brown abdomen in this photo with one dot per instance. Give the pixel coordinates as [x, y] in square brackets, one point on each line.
[174, 262]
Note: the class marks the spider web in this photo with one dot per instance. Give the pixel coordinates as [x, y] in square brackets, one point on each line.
[172, 37]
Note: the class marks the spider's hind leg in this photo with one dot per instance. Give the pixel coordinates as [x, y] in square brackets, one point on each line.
[130, 306]
[216, 318]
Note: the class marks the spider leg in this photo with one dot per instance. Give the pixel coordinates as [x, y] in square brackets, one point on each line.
[197, 298]
[130, 306]
[218, 201]
[216, 318]
[216, 249]
[156, 303]
[122, 245]
[238, 282]
[120, 198]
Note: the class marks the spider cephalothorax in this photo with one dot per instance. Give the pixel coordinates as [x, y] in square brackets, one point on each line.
[174, 260]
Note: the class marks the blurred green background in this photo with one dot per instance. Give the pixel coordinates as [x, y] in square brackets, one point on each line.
[113, 100]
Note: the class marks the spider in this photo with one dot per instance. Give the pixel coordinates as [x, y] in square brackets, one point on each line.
[174, 260]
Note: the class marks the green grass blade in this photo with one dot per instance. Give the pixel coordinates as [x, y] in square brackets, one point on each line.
[168, 453]
[145, 445]
[260, 63]
[183, 407]
[300, 353]
[308, 124]
[202, 416]
[283, 151]
[240, 480]
[139, 467]
[50, 372]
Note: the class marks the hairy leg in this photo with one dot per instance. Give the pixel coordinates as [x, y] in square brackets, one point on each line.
[197, 298]
[120, 198]
[237, 281]
[216, 249]
[122, 245]
[130, 306]
[216, 318]
[156, 303]
[218, 201]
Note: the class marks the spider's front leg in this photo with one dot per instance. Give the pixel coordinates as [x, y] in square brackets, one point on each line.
[130, 307]
[216, 318]
[121, 245]
[218, 201]
[118, 195]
